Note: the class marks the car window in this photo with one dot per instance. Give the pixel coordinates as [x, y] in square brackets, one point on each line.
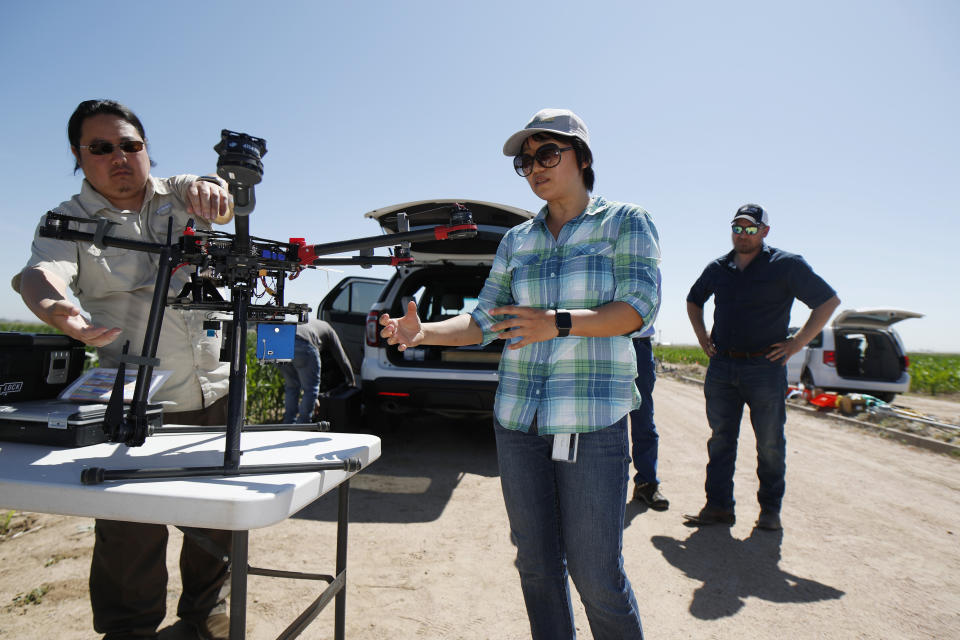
[357, 297]
[443, 303]
[469, 304]
[417, 297]
[817, 342]
[442, 292]
[452, 304]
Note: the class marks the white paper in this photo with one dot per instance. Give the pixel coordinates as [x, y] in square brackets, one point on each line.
[96, 385]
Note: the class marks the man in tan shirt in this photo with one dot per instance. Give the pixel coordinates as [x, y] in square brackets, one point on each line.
[115, 287]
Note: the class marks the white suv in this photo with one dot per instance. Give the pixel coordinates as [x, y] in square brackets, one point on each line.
[859, 352]
[445, 280]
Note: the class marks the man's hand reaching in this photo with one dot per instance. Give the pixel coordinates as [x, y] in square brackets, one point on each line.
[66, 317]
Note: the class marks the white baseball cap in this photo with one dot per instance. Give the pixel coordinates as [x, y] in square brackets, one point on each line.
[562, 121]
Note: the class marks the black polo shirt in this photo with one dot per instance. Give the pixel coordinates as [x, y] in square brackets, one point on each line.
[752, 307]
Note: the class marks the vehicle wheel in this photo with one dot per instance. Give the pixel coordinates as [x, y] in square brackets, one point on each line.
[886, 396]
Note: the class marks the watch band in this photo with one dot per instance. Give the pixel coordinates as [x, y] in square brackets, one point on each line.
[564, 322]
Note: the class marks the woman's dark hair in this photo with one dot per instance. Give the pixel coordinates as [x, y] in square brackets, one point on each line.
[581, 150]
[89, 108]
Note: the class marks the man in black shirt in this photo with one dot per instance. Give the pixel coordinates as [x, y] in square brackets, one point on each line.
[754, 287]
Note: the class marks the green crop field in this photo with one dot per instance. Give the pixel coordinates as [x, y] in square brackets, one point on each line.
[26, 327]
[935, 373]
[932, 373]
[680, 354]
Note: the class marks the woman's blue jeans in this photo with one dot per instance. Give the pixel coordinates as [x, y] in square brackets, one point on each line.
[761, 385]
[568, 517]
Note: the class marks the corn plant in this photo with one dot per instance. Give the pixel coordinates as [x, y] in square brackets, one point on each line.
[935, 373]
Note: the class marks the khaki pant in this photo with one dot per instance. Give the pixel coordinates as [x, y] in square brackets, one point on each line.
[128, 574]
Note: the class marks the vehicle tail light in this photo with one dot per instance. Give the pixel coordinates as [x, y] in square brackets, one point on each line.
[393, 394]
[372, 332]
[906, 362]
[830, 358]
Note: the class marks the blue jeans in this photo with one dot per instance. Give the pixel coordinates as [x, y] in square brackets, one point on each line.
[643, 432]
[761, 385]
[303, 372]
[569, 517]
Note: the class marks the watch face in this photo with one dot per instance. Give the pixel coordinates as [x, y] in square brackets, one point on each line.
[564, 323]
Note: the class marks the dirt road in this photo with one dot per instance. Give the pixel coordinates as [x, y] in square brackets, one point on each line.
[870, 547]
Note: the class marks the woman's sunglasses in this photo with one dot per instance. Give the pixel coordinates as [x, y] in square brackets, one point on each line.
[104, 148]
[750, 231]
[546, 156]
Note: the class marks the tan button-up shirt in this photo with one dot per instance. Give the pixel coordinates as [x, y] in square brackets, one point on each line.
[115, 286]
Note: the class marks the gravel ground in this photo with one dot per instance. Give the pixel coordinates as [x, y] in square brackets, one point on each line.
[869, 548]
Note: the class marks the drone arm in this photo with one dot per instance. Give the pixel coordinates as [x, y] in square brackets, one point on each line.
[309, 253]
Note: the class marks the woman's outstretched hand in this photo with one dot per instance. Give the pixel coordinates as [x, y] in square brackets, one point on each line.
[403, 332]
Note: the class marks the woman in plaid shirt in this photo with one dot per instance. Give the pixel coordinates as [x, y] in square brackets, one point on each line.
[567, 290]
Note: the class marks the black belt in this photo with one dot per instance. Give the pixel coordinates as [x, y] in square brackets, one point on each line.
[745, 354]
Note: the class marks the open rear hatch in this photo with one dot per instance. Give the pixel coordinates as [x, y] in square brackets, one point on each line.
[872, 318]
[865, 348]
[447, 275]
[492, 222]
[442, 293]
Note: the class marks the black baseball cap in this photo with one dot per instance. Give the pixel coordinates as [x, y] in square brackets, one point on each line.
[753, 212]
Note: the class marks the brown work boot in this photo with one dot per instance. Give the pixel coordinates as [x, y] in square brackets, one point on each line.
[710, 515]
[215, 627]
[649, 493]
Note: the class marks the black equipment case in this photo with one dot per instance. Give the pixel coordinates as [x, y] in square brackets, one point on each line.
[60, 423]
[341, 407]
[36, 366]
[34, 369]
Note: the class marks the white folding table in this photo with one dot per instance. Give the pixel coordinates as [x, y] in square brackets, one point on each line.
[47, 480]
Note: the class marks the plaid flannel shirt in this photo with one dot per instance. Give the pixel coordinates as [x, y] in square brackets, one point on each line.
[608, 253]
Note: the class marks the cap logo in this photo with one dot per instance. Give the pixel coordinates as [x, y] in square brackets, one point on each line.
[541, 120]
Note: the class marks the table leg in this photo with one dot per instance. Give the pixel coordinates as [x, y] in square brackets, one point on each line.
[238, 585]
[343, 517]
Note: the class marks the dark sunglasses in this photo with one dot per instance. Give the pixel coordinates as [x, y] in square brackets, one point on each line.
[546, 156]
[750, 231]
[104, 148]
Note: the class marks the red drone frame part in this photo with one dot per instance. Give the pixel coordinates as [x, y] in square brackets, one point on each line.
[307, 254]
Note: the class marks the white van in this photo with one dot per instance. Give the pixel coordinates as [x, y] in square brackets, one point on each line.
[859, 352]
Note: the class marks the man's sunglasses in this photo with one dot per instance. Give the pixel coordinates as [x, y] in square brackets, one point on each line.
[104, 148]
[750, 231]
[546, 156]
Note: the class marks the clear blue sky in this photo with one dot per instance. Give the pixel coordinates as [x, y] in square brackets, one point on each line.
[840, 117]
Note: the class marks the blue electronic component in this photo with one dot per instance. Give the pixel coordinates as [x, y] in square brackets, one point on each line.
[275, 341]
